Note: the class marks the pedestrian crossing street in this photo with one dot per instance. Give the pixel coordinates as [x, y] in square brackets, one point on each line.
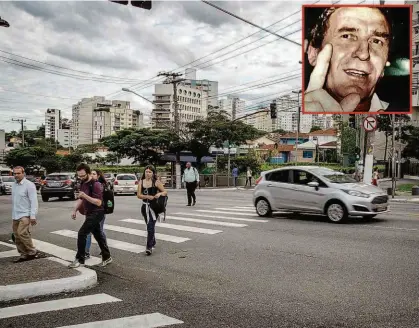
[148, 320]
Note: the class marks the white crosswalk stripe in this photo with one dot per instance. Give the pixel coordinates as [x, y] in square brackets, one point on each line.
[224, 212]
[113, 243]
[233, 209]
[220, 223]
[176, 227]
[219, 217]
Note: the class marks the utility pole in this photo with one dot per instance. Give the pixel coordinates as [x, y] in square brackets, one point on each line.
[399, 171]
[298, 124]
[393, 158]
[21, 121]
[173, 78]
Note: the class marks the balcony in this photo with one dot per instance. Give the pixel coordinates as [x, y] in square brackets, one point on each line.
[161, 101]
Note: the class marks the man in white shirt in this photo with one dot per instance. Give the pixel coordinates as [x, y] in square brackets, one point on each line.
[191, 179]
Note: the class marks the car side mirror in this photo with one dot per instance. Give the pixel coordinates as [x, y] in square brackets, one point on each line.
[313, 184]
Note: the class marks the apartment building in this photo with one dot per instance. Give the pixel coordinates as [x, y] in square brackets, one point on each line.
[415, 57]
[2, 145]
[210, 87]
[63, 137]
[192, 102]
[110, 116]
[52, 123]
[233, 105]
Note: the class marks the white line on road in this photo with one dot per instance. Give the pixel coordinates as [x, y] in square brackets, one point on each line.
[152, 320]
[55, 305]
[220, 217]
[142, 233]
[220, 223]
[236, 209]
[223, 212]
[62, 253]
[245, 207]
[7, 244]
[11, 253]
[177, 227]
[393, 228]
[122, 245]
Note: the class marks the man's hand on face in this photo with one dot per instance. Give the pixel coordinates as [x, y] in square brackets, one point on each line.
[316, 99]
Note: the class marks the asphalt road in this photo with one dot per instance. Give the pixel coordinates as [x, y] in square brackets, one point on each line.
[286, 272]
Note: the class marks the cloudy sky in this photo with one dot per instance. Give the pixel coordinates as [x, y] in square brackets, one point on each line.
[56, 52]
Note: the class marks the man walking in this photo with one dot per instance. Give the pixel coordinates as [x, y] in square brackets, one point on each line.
[91, 199]
[24, 211]
[191, 179]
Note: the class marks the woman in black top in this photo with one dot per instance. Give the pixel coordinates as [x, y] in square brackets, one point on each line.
[150, 188]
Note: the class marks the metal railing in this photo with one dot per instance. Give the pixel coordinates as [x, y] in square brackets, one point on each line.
[206, 181]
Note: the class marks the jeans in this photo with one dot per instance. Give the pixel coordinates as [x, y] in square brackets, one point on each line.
[151, 229]
[249, 179]
[235, 181]
[89, 236]
[91, 225]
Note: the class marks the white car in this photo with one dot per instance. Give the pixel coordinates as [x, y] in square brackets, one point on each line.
[125, 183]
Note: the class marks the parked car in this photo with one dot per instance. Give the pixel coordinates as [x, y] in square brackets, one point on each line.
[35, 181]
[313, 189]
[125, 184]
[110, 178]
[8, 182]
[59, 185]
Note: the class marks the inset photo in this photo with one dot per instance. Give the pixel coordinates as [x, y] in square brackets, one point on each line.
[357, 59]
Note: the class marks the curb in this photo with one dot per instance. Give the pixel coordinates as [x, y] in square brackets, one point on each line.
[86, 279]
[211, 189]
[405, 200]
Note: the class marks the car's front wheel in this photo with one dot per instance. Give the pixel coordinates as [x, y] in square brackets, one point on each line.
[45, 198]
[336, 212]
[263, 208]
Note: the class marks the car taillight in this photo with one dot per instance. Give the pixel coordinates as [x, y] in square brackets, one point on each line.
[136, 182]
[258, 180]
[67, 182]
[115, 182]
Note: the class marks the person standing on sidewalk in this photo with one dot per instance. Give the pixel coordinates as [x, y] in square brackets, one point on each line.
[24, 211]
[150, 189]
[235, 174]
[191, 180]
[97, 176]
[249, 177]
[94, 211]
[375, 177]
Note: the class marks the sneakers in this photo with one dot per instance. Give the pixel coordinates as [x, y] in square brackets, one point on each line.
[106, 262]
[148, 251]
[75, 264]
[87, 256]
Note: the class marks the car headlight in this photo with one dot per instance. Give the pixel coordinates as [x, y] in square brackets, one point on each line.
[356, 193]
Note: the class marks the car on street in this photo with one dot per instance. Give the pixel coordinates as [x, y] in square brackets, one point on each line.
[59, 185]
[110, 178]
[7, 182]
[314, 189]
[125, 183]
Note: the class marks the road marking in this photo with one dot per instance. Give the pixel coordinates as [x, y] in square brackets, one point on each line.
[235, 209]
[11, 253]
[55, 305]
[7, 244]
[152, 320]
[220, 223]
[393, 228]
[220, 217]
[245, 207]
[223, 212]
[62, 253]
[177, 227]
[122, 245]
[142, 233]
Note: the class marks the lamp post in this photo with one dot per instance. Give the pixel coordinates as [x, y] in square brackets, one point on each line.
[4, 23]
[298, 122]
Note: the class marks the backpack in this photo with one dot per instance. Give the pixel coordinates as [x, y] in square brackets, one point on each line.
[108, 198]
[158, 205]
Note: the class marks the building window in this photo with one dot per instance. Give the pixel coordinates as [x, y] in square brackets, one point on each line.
[307, 154]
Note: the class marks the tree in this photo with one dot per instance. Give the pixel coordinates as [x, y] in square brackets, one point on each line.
[112, 158]
[412, 139]
[385, 125]
[279, 131]
[315, 128]
[33, 157]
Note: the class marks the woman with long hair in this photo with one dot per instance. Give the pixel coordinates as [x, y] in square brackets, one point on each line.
[149, 189]
[97, 176]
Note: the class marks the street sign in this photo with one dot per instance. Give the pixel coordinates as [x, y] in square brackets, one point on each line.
[369, 123]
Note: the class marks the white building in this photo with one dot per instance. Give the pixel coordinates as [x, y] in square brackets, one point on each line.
[261, 121]
[192, 105]
[233, 105]
[111, 116]
[415, 57]
[63, 137]
[52, 123]
[210, 87]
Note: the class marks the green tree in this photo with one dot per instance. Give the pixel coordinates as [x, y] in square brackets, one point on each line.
[112, 158]
[315, 128]
[411, 138]
[384, 123]
[32, 157]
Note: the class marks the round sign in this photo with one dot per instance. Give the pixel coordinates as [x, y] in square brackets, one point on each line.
[369, 123]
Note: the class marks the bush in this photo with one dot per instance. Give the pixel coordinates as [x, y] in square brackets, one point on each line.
[337, 167]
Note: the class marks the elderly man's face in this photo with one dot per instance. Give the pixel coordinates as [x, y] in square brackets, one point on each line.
[360, 40]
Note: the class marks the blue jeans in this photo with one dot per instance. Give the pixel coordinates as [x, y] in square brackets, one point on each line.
[89, 236]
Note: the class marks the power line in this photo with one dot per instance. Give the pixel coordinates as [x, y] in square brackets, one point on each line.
[35, 94]
[248, 22]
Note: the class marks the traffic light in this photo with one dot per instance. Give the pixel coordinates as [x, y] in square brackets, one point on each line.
[352, 121]
[273, 110]
[139, 4]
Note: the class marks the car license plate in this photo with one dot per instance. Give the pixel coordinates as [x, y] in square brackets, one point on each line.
[53, 184]
[381, 208]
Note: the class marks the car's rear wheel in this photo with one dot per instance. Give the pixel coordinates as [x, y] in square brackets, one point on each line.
[263, 208]
[45, 198]
[336, 212]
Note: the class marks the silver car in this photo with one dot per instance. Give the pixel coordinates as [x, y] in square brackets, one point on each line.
[313, 189]
[8, 182]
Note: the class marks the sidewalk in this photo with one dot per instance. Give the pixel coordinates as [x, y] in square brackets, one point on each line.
[39, 277]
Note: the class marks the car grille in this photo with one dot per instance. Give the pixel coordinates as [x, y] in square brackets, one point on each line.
[380, 200]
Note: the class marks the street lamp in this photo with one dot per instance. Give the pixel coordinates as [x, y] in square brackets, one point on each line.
[4, 23]
[298, 122]
[129, 90]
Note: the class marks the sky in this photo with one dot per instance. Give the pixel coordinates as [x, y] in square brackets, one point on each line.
[71, 50]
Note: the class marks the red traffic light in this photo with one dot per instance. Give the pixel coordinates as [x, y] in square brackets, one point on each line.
[142, 4]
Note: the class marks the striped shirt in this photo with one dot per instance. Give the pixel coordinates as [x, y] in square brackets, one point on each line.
[24, 200]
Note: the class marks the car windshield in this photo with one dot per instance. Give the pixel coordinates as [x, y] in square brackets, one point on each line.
[108, 175]
[126, 177]
[334, 176]
[8, 179]
[57, 177]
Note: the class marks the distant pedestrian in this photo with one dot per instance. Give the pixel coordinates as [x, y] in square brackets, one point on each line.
[149, 190]
[235, 174]
[24, 211]
[375, 177]
[90, 199]
[249, 177]
[191, 180]
[97, 176]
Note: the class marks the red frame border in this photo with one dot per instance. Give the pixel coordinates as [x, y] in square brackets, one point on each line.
[354, 5]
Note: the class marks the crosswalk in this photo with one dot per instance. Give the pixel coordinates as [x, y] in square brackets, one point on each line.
[147, 320]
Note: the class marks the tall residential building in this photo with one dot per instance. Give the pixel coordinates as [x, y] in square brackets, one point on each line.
[415, 57]
[52, 123]
[233, 105]
[110, 116]
[2, 145]
[261, 121]
[63, 137]
[210, 87]
[192, 102]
